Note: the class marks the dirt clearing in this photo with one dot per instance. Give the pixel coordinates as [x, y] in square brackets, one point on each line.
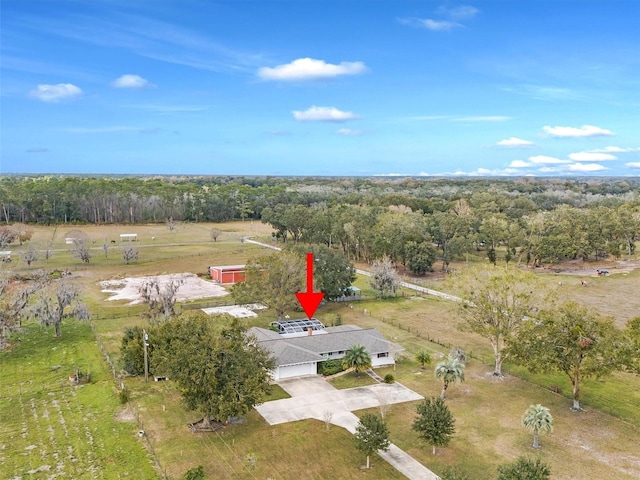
[238, 311]
[192, 287]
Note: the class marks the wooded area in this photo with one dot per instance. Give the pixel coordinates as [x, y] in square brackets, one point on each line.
[406, 219]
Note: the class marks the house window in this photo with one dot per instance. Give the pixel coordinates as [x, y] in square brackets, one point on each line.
[341, 352]
[383, 355]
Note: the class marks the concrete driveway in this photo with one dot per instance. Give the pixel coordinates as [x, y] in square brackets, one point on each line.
[314, 397]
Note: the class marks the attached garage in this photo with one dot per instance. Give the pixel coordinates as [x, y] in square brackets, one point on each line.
[299, 370]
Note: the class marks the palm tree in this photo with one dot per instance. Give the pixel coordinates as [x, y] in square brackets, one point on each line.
[424, 357]
[537, 418]
[450, 370]
[357, 358]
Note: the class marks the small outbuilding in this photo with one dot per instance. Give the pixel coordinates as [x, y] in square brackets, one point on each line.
[352, 294]
[228, 273]
[129, 237]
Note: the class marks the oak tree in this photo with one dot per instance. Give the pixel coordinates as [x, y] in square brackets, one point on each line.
[435, 423]
[272, 280]
[384, 278]
[371, 435]
[221, 372]
[573, 340]
[495, 302]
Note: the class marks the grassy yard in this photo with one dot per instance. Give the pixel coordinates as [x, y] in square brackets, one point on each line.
[589, 444]
[249, 450]
[352, 380]
[50, 427]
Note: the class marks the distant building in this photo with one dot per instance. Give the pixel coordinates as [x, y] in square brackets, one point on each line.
[228, 273]
[353, 293]
[129, 237]
[302, 344]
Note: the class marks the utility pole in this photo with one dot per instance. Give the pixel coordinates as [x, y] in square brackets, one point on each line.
[145, 337]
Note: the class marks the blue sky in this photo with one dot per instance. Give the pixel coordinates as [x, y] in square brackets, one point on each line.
[326, 87]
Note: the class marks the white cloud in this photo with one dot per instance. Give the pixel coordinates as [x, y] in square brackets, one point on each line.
[570, 132]
[542, 92]
[349, 132]
[586, 167]
[514, 142]
[632, 164]
[310, 69]
[612, 149]
[463, 12]
[323, 114]
[550, 169]
[54, 93]
[573, 167]
[591, 157]
[485, 172]
[398, 174]
[130, 81]
[438, 25]
[430, 24]
[545, 160]
[455, 15]
[520, 164]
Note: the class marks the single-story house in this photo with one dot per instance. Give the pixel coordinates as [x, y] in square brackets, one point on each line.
[299, 353]
[228, 273]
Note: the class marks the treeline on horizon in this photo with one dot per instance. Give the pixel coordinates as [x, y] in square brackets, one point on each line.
[58, 199]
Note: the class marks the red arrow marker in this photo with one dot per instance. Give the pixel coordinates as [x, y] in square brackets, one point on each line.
[310, 300]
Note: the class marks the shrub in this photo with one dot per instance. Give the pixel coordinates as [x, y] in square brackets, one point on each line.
[524, 469]
[124, 396]
[388, 378]
[330, 367]
[454, 473]
[132, 351]
[195, 473]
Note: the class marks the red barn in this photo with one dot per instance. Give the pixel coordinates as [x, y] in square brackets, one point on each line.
[228, 273]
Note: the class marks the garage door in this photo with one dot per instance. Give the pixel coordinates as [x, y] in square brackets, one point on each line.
[290, 371]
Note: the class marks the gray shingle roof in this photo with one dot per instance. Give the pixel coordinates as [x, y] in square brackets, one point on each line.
[308, 348]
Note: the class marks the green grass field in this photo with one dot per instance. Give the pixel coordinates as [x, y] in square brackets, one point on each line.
[49, 426]
[598, 443]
